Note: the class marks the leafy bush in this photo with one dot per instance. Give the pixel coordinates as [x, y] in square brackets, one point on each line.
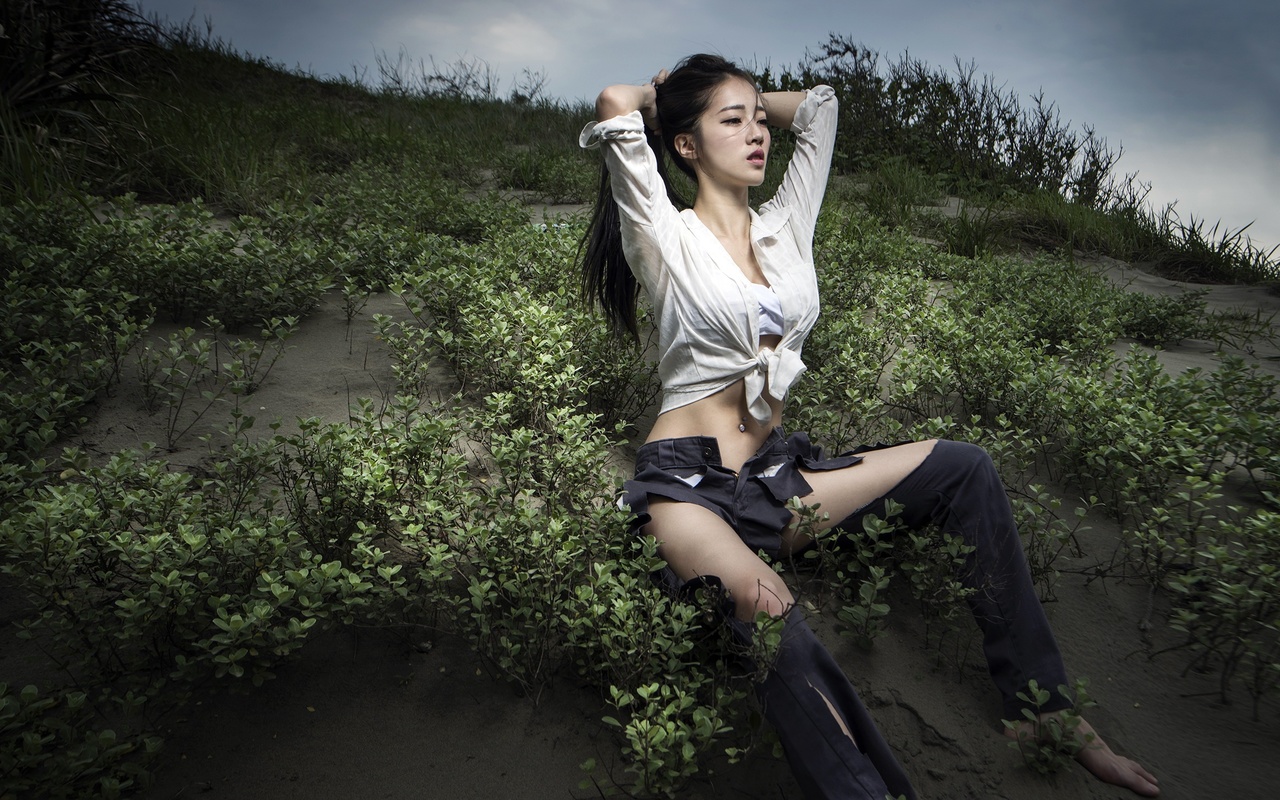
[551, 174]
[894, 192]
[51, 747]
[164, 584]
[413, 197]
[66, 323]
[1229, 597]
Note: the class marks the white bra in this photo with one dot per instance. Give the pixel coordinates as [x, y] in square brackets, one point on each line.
[770, 310]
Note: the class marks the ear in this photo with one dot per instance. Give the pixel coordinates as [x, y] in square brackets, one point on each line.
[685, 146]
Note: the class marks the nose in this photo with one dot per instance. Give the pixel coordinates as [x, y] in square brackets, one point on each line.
[756, 131]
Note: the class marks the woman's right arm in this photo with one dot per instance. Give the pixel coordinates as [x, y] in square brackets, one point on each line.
[622, 98]
[647, 215]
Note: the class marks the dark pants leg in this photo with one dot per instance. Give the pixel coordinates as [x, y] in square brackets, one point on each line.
[958, 488]
[824, 761]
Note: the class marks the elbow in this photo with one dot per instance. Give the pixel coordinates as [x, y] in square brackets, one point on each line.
[613, 102]
[826, 95]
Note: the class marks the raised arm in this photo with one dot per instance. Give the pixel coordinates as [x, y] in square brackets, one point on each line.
[646, 214]
[812, 116]
[780, 107]
[623, 98]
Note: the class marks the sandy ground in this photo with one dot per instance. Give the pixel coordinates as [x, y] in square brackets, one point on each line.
[364, 713]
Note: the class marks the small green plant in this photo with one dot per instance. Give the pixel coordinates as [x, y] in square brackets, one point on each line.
[1048, 742]
[551, 174]
[186, 377]
[1162, 320]
[668, 729]
[935, 564]
[865, 616]
[860, 568]
[1228, 599]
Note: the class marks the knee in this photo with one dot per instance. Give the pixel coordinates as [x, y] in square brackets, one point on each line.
[966, 452]
[965, 458]
[764, 593]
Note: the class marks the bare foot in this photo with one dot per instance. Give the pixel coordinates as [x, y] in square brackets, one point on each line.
[1097, 757]
[1102, 762]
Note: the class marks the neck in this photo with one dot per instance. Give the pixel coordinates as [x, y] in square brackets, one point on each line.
[724, 211]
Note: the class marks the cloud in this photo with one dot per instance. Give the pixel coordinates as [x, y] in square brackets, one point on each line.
[1204, 174]
[523, 39]
[1207, 59]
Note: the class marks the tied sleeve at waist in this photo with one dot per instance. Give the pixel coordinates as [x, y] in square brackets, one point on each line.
[780, 368]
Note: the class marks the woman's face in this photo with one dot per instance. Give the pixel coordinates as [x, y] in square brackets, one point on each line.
[731, 143]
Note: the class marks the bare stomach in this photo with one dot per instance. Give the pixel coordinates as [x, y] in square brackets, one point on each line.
[723, 415]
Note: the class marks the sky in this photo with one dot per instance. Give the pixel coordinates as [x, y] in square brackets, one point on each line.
[1189, 90]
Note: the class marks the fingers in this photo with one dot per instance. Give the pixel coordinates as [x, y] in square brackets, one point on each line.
[1152, 782]
[650, 112]
[1108, 767]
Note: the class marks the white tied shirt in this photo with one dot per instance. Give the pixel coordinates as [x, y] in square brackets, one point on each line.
[707, 312]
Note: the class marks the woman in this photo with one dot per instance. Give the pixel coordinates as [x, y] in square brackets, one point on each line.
[734, 296]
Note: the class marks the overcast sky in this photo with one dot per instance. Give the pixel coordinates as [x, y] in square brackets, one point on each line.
[1190, 89]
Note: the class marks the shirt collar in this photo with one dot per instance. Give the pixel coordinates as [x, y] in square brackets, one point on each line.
[769, 223]
[762, 225]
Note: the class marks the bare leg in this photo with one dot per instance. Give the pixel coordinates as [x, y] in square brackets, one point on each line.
[841, 492]
[831, 741]
[696, 543]
[845, 491]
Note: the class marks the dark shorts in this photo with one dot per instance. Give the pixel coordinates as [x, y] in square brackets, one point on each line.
[752, 501]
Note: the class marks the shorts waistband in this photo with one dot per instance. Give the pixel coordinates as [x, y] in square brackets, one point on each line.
[689, 451]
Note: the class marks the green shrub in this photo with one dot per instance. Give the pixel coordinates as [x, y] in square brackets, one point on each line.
[50, 746]
[1229, 606]
[142, 574]
[551, 174]
[895, 190]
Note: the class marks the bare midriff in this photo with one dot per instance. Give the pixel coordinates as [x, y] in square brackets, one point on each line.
[723, 415]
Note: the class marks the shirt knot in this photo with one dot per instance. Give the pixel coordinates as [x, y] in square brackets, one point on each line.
[776, 368]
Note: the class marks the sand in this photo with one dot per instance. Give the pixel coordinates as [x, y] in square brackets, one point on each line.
[368, 713]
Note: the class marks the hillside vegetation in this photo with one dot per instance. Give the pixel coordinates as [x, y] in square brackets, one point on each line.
[165, 177]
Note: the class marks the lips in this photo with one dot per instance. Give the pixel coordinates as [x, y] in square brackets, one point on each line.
[756, 157]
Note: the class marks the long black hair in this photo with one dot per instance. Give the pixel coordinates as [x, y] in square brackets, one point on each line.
[681, 99]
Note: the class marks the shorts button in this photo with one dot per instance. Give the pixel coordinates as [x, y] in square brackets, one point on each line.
[706, 453]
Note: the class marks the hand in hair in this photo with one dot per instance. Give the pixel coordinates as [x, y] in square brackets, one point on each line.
[650, 110]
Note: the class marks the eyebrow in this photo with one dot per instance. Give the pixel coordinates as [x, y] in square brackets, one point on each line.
[741, 107]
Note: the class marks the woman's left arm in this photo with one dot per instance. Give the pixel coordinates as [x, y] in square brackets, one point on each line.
[780, 107]
[811, 116]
